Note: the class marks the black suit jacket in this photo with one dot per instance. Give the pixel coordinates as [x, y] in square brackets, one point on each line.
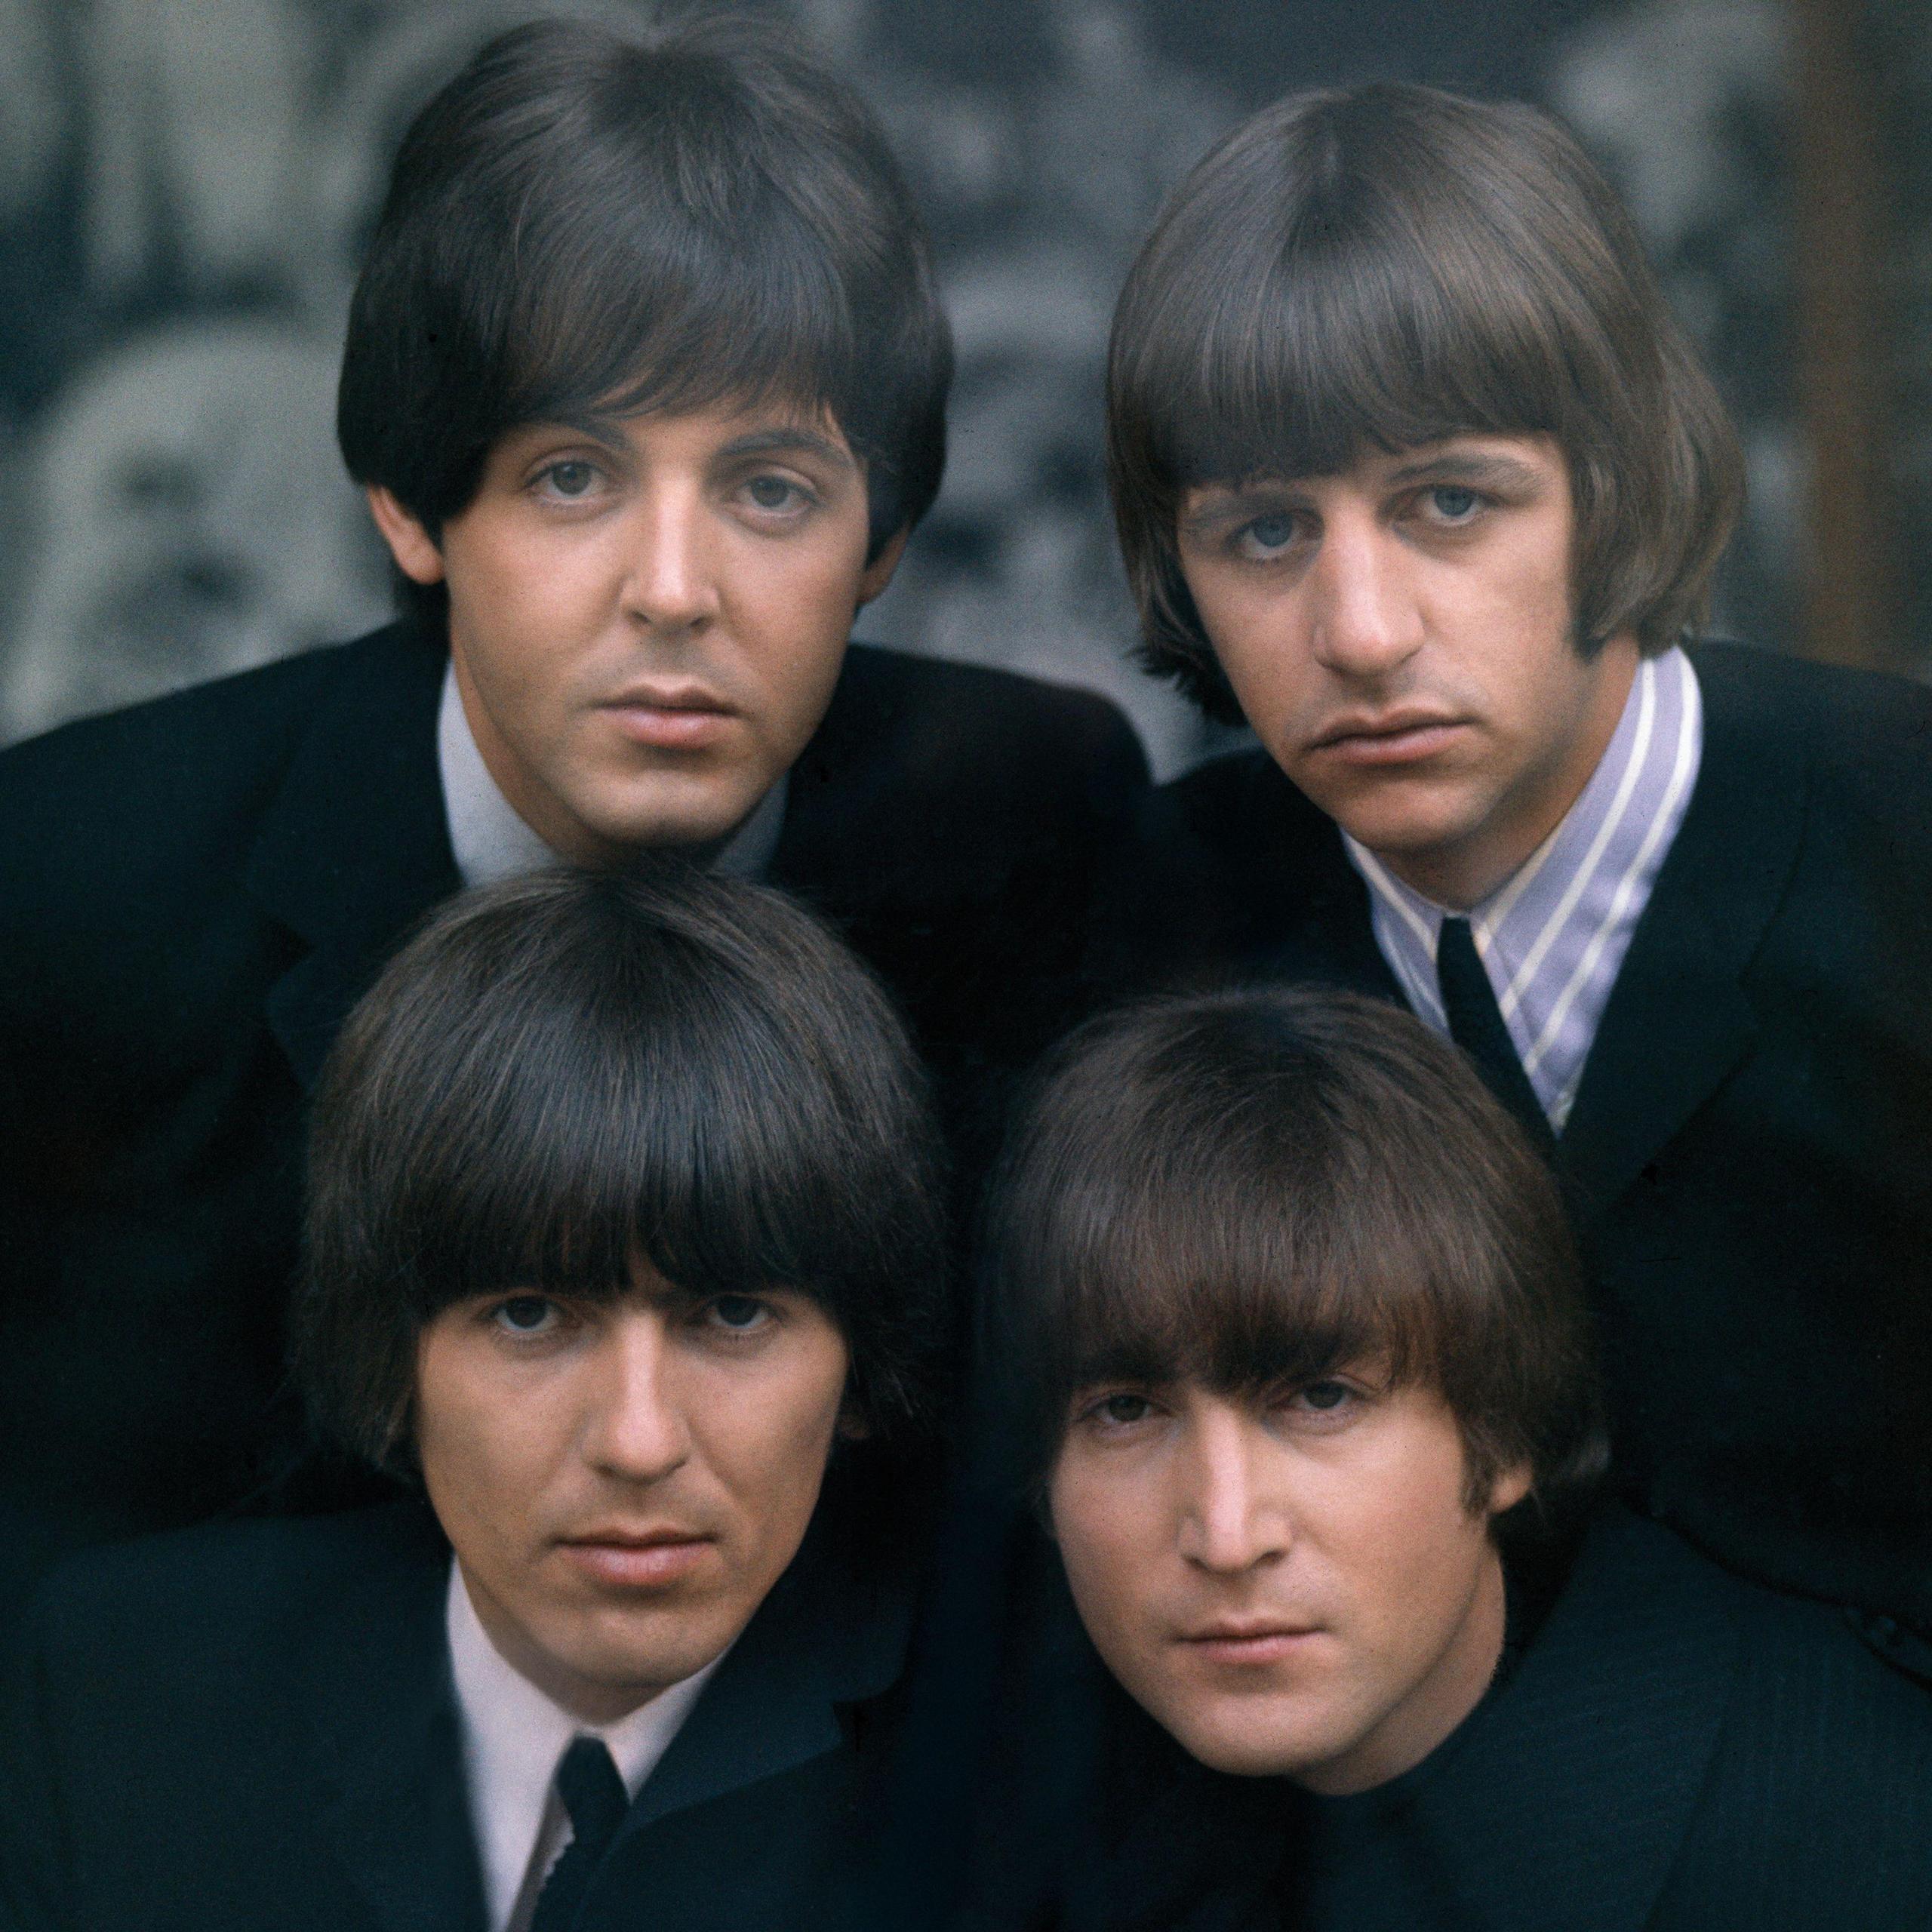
[252, 1725]
[1676, 1750]
[1750, 1152]
[194, 892]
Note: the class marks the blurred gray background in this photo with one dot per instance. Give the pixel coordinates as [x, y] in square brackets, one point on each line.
[185, 186]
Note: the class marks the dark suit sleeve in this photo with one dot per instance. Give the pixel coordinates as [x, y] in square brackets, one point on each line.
[33, 1835]
[1817, 1812]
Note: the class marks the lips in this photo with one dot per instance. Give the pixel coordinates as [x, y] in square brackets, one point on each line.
[1240, 1641]
[1391, 737]
[677, 717]
[637, 1559]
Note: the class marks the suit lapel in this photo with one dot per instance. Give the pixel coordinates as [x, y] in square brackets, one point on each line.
[392, 1798]
[1336, 925]
[1279, 860]
[820, 1640]
[1567, 1797]
[1678, 1019]
[354, 847]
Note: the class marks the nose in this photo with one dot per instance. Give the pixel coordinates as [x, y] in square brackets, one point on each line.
[670, 587]
[1232, 1516]
[635, 1428]
[1367, 619]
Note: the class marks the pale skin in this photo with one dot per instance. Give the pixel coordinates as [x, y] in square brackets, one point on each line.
[1293, 1583]
[648, 614]
[623, 1481]
[1401, 636]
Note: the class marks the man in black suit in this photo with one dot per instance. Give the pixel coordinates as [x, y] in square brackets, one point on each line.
[645, 378]
[1414, 472]
[1305, 1369]
[626, 1253]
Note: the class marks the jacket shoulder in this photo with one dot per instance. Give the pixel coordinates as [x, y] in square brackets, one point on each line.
[177, 774]
[1867, 733]
[1818, 1802]
[947, 716]
[191, 1605]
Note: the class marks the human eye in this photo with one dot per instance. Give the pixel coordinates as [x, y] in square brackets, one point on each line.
[525, 1317]
[774, 497]
[1265, 536]
[1453, 504]
[1324, 1396]
[1330, 1401]
[736, 1315]
[1113, 1410]
[571, 479]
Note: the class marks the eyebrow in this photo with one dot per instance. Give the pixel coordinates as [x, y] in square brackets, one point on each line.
[1469, 466]
[795, 436]
[608, 433]
[1232, 502]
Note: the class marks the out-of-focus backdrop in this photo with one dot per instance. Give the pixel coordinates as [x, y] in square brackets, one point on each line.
[186, 185]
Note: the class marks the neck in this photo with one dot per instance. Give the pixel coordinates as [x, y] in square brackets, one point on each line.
[592, 1703]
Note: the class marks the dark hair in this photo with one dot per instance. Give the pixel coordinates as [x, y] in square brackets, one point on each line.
[583, 225]
[1258, 1187]
[562, 1071]
[1386, 267]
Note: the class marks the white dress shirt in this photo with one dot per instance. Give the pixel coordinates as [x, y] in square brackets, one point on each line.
[491, 841]
[513, 1736]
[1553, 936]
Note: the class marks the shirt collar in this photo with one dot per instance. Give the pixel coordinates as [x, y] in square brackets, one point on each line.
[1553, 934]
[491, 841]
[513, 1735]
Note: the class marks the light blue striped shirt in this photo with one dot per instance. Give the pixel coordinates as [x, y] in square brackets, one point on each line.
[1553, 935]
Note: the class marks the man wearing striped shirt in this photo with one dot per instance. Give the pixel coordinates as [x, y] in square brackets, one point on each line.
[1415, 476]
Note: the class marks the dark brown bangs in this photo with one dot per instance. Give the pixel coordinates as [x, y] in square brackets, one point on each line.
[1215, 1214]
[1219, 1266]
[1315, 355]
[1257, 1188]
[672, 1111]
[559, 1074]
[580, 225]
[1384, 267]
[721, 299]
[1341, 325]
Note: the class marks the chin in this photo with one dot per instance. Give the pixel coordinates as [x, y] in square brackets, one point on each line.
[666, 826]
[1405, 816]
[1234, 1743]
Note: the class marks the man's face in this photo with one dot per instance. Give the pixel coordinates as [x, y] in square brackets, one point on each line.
[1400, 636]
[1293, 1584]
[623, 1482]
[647, 615]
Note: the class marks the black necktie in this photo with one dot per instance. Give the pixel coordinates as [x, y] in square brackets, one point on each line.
[1477, 1025]
[595, 1800]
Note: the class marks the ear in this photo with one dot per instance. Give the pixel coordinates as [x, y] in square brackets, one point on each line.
[412, 546]
[1509, 1488]
[879, 573]
[853, 1427]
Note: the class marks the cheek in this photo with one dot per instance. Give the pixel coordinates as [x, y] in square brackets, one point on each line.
[770, 1437]
[1254, 636]
[1417, 1546]
[485, 1451]
[1110, 1549]
[794, 618]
